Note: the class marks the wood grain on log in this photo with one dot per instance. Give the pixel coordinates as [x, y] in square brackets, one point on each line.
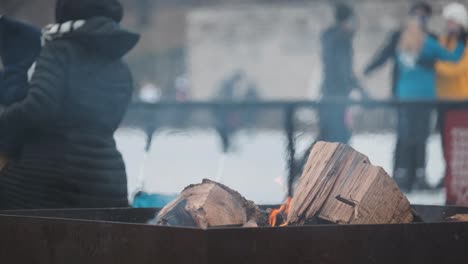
[209, 204]
[340, 185]
[459, 218]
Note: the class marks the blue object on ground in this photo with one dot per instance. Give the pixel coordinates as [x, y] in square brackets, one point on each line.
[146, 200]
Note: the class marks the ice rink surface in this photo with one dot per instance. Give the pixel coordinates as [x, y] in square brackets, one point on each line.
[256, 168]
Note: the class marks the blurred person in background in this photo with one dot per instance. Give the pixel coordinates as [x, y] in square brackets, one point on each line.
[20, 44]
[252, 94]
[388, 52]
[452, 78]
[417, 82]
[227, 120]
[182, 89]
[230, 87]
[339, 78]
[149, 92]
[76, 99]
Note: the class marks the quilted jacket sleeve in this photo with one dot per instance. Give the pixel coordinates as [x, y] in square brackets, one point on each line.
[43, 102]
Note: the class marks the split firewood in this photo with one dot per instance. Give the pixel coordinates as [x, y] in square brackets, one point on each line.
[459, 218]
[210, 204]
[340, 185]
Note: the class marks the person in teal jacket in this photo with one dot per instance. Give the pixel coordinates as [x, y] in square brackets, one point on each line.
[417, 83]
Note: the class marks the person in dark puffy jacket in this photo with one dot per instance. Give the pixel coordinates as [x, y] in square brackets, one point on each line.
[20, 44]
[77, 97]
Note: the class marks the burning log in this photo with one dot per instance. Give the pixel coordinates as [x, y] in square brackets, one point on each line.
[459, 218]
[339, 185]
[281, 212]
[211, 204]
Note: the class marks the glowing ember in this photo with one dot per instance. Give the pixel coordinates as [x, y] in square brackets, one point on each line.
[283, 209]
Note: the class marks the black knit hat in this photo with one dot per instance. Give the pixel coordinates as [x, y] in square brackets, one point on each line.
[66, 10]
[421, 5]
[343, 12]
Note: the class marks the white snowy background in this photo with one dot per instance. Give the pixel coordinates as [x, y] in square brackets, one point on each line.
[257, 168]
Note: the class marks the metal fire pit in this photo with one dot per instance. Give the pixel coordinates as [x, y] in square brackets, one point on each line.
[121, 236]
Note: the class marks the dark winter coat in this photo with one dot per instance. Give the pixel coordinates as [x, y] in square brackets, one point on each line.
[20, 44]
[77, 98]
[337, 60]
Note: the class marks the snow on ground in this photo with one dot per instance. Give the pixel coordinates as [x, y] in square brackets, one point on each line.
[257, 168]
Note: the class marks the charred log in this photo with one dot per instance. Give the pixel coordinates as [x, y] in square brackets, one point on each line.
[210, 204]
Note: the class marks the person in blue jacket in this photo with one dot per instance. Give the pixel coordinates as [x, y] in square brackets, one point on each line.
[417, 83]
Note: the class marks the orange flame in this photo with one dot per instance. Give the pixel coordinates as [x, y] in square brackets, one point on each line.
[283, 209]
